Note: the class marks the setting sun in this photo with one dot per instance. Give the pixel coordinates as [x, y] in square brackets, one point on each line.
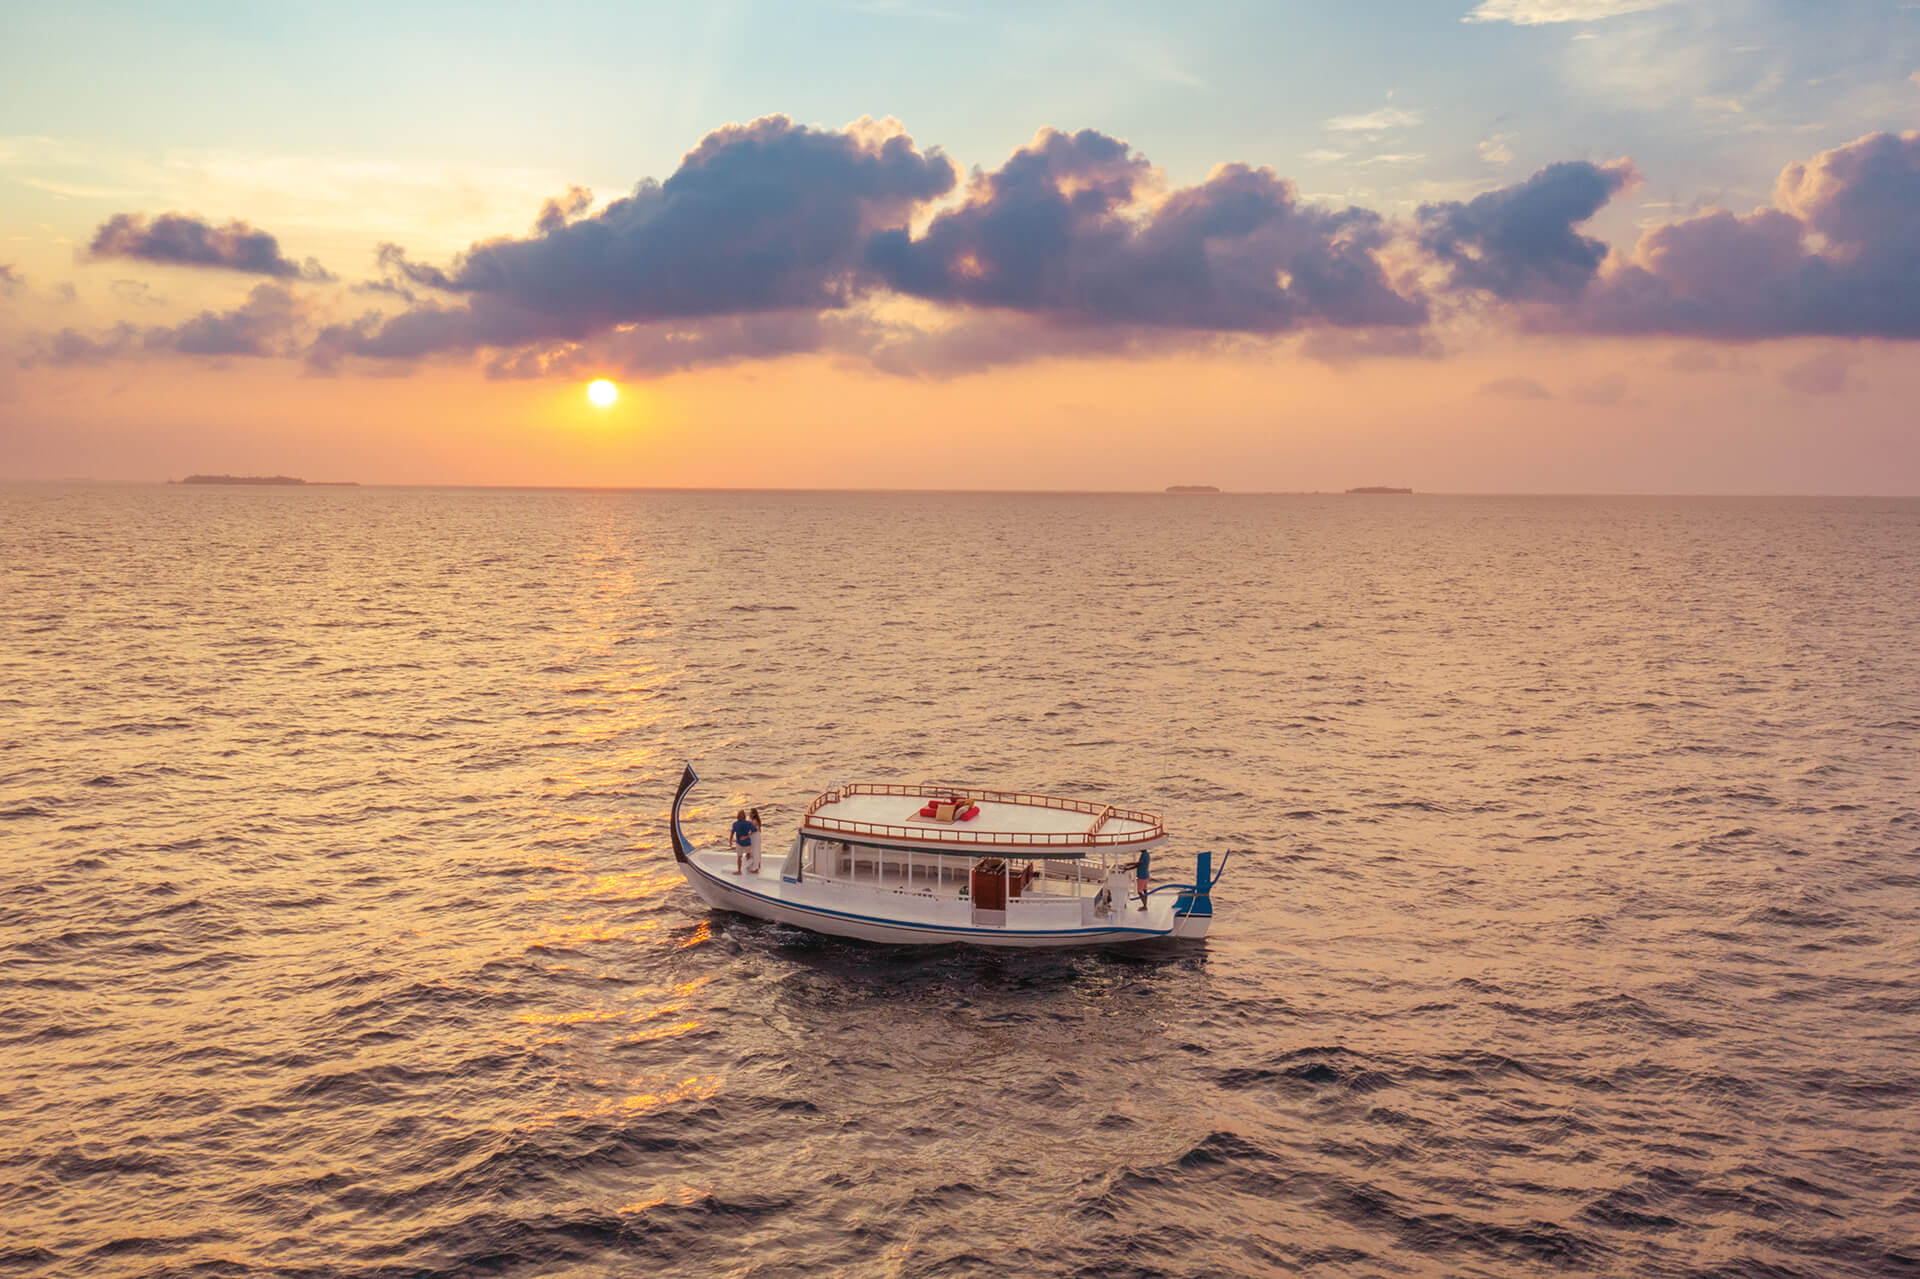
[602, 392]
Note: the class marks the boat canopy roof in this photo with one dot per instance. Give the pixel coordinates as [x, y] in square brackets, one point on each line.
[1009, 822]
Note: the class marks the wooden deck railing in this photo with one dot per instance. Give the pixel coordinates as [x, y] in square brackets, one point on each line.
[1093, 836]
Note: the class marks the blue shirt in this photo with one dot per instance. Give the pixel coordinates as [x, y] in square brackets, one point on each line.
[742, 831]
[1146, 859]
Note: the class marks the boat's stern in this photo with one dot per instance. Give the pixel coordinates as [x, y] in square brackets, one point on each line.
[1193, 908]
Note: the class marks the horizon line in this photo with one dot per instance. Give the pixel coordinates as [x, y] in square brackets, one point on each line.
[1013, 492]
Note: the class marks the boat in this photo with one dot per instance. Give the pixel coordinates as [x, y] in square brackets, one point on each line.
[939, 865]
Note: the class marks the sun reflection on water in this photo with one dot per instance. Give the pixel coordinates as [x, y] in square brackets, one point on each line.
[646, 1096]
[685, 1197]
[574, 1018]
[674, 1031]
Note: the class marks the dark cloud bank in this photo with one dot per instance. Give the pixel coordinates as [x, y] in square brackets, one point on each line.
[1056, 232]
[269, 323]
[767, 235]
[769, 229]
[178, 239]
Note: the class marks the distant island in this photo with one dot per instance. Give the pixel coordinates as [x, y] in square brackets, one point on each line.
[1378, 488]
[1191, 488]
[267, 479]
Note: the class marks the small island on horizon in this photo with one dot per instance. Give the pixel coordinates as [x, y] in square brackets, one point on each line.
[265, 479]
[1378, 488]
[1191, 488]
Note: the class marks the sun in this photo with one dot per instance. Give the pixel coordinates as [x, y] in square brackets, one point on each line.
[602, 392]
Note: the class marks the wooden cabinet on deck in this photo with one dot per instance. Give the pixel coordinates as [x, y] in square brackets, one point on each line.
[990, 883]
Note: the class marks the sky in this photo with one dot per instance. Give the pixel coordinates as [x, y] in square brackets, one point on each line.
[1621, 246]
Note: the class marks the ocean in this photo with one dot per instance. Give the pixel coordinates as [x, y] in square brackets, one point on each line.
[1572, 921]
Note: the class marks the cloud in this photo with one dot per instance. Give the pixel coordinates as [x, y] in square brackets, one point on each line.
[135, 293]
[1603, 391]
[1822, 374]
[760, 217]
[1338, 347]
[269, 323]
[1515, 388]
[266, 324]
[1375, 121]
[725, 340]
[335, 342]
[658, 349]
[1530, 13]
[796, 226]
[70, 347]
[1691, 359]
[974, 342]
[73, 347]
[989, 338]
[773, 239]
[392, 288]
[1075, 228]
[1495, 149]
[11, 281]
[179, 239]
[1518, 243]
[1862, 196]
[1836, 254]
[556, 213]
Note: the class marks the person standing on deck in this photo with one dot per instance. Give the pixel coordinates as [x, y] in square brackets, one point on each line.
[753, 845]
[741, 838]
[1140, 872]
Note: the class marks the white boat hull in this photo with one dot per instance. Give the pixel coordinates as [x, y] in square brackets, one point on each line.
[848, 911]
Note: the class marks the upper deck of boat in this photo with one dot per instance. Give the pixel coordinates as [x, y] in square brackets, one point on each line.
[1022, 824]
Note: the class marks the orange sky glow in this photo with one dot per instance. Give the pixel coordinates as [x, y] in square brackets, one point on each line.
[1615, 413]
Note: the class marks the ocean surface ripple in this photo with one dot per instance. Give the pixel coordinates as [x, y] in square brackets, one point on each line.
[1572, 925]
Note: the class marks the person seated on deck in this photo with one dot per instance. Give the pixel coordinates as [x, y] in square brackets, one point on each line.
[741, 838]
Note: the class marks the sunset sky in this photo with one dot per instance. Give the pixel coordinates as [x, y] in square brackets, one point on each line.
[1660, 246]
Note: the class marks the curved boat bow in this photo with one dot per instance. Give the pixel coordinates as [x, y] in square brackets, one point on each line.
[682, 850]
